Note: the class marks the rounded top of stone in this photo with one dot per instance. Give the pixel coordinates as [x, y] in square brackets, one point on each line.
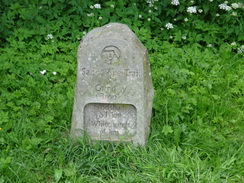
[113, 31]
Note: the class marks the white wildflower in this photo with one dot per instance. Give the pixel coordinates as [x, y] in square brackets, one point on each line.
[171, 37]
[192, 9]
[175, 2]
[235, 5]
[209, 45]
[210, 0]
[200, 10]
[91, 7]
[234, 14]
[233, 44]
[49, 36]
[100, 18]
[240, 50]
[112, 5]
[150, 11]
[186, 19]
[184, 37]
[90, 14]
[150, 2]
[97, 6]
[192, 1]
[155, 7]
[140, 16]
[225, 7]
[217, 15]
[54, 73]
[43, 72]
[149, 19]
[169, 26]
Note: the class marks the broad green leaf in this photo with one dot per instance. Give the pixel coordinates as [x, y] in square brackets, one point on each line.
[167, 129]
[58, 174]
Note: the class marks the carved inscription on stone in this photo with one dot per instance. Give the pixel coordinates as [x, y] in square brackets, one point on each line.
[110, 121]
[110, 54]
[128, 73]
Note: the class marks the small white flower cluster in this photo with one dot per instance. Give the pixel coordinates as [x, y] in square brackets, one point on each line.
[175, 2]
[224, 6]
[90, 14]
[49, 36]
[240, 50]
[184, 37]
[209, 45]
[234, 14]
[44, 71]
[151, 2]
[237, 5]
[169, 26]
[200, 10]
[192, 9]
[97, 6]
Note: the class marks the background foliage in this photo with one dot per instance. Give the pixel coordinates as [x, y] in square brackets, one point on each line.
[67, 20]
[198, 75]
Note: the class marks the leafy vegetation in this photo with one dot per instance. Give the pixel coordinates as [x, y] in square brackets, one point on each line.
[196, 57]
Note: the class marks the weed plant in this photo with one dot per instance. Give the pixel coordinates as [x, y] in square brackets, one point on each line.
[196, 54]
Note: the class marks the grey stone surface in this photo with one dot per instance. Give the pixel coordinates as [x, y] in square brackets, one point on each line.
[114, 92]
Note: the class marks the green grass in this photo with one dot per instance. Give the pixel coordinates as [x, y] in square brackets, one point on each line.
[198, 75]
[196, 129]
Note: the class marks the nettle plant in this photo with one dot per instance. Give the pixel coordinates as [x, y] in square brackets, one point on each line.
[209, 23]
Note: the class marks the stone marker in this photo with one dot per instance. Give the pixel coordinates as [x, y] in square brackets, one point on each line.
[114, 92]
